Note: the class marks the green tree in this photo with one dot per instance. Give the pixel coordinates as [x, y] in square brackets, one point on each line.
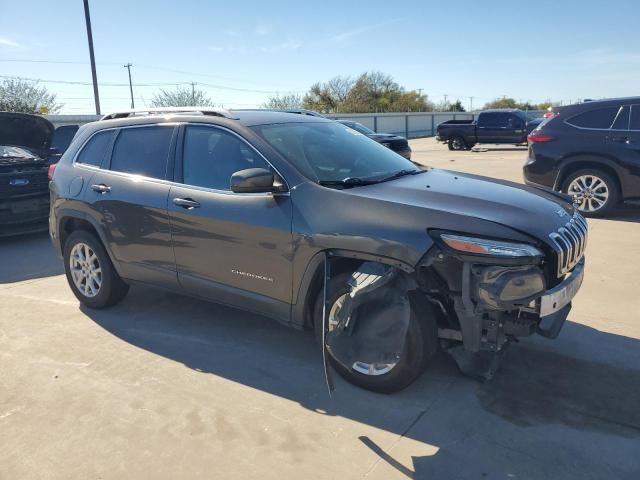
[181, 97]
[457, 107]
[504, 102]
[283, 102]
[370, 92]
[27, 97]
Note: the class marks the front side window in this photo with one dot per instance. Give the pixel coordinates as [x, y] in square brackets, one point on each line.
[94, 151]
[600, 118]
[331, 152]
[142, 151]
[212, 155]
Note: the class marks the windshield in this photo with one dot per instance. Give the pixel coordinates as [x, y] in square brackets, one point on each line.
[331, 152]
[358, 127]
[14, 152]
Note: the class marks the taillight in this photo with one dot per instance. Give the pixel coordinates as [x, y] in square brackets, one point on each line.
[540, 137]
[52, 168]
[548, 115]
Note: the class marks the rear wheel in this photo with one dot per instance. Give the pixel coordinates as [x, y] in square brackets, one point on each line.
[90, 273]
[457, 143]
[420, 346]
[594, 192]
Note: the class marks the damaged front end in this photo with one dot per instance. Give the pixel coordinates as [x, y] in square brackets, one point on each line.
[491, 292]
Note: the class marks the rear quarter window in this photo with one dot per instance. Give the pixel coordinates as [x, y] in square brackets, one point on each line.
[635, 118]
[142, 151]
[95, 150]
[600, 118]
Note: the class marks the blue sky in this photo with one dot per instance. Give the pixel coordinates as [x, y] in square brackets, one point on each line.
[485, 49]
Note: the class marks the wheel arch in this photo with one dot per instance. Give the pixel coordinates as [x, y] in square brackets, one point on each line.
[579, 162]
[70, 221]
[312, 280]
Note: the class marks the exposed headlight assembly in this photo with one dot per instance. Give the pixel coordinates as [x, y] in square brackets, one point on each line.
[483, 246]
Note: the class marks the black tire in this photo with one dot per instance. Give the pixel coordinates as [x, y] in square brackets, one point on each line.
[611, 186]
[112, 289]
[457, 143]
[421, 345]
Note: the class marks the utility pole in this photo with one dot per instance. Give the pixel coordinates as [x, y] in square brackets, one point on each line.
[87, 19]
[445, 98]
[128, 67]
[471, 104]
[193, 94]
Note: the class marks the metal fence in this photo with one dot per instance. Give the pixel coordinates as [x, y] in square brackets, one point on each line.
[410, 124]
[407, 124]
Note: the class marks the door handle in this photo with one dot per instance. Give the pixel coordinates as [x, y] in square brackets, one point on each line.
[621, 140]
[188, 203]
[101, 188]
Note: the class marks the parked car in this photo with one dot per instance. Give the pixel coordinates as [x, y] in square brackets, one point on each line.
[25, 155]
[296, 218]
[590, 151]
[398, 144]
[497, 126]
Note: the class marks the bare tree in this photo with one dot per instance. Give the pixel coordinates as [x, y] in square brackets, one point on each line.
[181, 97]
[283, 102]
[26, 97]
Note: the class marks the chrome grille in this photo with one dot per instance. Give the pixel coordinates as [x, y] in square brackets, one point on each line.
[569, 243]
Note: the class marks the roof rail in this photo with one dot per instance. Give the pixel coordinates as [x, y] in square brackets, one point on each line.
[217, 112]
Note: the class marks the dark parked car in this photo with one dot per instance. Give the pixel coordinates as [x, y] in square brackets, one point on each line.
[25, 155]
[590, 151]
[498, 126]
[296, 218]
[398, 144]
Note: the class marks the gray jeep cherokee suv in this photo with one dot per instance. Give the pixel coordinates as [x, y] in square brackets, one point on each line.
[309, 222]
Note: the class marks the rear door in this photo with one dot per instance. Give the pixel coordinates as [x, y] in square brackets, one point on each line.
[630, 141]
[130, 199]
[235, 248]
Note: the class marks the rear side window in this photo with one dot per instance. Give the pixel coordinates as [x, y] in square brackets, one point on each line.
[492, 119]
[601, 118]
[635, 118]
[211, 155]
[142, 151]
[622, 120]
[96, 148]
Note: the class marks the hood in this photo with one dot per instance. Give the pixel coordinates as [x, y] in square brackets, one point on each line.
[526, 209]
[27, 131]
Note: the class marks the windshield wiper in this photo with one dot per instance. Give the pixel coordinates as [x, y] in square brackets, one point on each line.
[401, 173]
[347, 182]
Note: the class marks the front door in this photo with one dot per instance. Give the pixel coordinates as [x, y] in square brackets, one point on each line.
[130, 199]
[230, 247]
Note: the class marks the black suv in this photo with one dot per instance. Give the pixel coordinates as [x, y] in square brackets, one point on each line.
[297, 218]
[590, 151]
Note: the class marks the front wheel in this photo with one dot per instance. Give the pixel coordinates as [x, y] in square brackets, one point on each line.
[420, 346]
[594, 192]
[90, 273]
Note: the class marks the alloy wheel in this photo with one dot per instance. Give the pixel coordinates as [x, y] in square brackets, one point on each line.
[590, 192]
[86, 271]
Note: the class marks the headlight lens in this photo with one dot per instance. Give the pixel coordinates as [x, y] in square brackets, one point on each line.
[483, 246]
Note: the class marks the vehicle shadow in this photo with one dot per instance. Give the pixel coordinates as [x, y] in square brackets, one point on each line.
[28, 257]
[593, 386]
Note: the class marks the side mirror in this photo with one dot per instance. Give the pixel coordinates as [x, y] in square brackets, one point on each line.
[254, 180]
